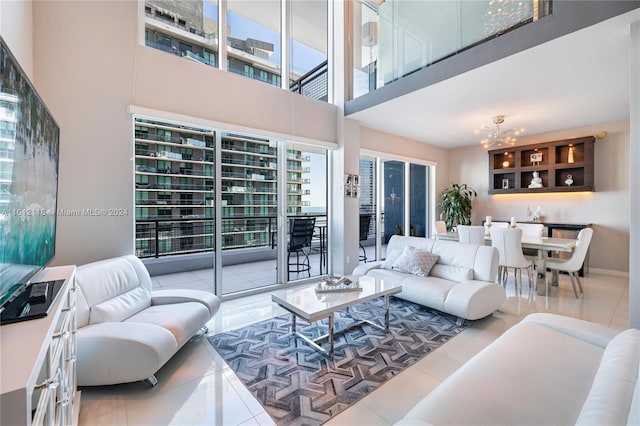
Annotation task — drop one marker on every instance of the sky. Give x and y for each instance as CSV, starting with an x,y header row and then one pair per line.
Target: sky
x,y
304,57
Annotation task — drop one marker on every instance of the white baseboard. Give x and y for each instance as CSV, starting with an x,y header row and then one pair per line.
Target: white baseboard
x,y
609,272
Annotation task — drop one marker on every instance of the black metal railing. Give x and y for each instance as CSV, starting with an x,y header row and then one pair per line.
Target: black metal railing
x,y
313,84
159,237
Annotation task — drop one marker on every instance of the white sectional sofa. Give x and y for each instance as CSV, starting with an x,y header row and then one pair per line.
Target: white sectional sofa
x,y
126,331
461,283
546,370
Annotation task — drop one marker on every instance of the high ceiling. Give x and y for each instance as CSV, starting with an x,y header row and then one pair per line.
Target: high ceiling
x,y
573,81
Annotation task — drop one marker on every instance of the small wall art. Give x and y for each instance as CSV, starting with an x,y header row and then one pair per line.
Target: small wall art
x,y
351,185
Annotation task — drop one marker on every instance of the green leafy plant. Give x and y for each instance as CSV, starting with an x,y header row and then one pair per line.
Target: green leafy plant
x,y
455,205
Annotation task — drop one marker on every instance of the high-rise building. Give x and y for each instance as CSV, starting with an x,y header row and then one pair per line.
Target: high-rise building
x,y
175,194
181,28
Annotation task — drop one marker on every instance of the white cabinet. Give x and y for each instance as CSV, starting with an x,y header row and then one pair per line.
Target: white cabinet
x,y
38,361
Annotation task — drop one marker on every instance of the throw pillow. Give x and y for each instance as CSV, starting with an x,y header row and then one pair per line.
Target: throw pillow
x,y
415,261
392,256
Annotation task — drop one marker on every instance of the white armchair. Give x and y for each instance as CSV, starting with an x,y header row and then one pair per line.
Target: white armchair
x,y
126,331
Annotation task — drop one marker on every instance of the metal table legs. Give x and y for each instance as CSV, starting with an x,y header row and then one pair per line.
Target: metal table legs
x,y
314,343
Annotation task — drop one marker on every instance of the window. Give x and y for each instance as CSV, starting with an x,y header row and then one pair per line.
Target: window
x,y
402,188
308,70
248,71
254,38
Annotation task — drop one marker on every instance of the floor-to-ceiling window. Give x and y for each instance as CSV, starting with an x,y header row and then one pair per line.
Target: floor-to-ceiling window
x,y
174,175
177,183
307,201
249,194
396,193
369,207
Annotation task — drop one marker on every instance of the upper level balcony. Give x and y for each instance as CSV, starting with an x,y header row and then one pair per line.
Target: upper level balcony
x,y
402,47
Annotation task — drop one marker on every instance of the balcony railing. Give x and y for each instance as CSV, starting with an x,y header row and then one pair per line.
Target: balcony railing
x,y
159,237
211,37
313,84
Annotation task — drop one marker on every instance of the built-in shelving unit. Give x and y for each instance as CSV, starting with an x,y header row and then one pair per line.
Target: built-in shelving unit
x,y
563,166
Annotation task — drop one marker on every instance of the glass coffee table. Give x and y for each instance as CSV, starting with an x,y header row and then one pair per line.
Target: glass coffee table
x,y
309,305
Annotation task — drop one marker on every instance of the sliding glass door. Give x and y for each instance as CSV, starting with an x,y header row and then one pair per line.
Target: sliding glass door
x,y
307,248
396,193
227,201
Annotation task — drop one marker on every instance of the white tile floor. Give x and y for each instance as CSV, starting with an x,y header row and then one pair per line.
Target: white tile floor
x,y
197,388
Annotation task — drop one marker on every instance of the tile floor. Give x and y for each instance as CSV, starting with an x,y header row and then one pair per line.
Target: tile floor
x,y
196,387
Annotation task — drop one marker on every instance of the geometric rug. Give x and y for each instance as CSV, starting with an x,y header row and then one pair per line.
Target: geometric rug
x,y
299,386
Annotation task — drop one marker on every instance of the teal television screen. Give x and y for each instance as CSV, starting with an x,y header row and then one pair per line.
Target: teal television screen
x,y
29,154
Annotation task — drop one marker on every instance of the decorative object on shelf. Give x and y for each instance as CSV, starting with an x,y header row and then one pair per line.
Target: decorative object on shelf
x,y
570,157
536,181
536,158
496,136
537,215
505,183
513,222
529,213
505,164
556,155
569,180
455,205
351,185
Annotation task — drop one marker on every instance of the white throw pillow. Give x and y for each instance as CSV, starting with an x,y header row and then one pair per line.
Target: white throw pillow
x,y
415,261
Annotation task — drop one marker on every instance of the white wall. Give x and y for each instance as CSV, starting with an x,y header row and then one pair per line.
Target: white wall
x,y
375,140
16,27
607,208
91,70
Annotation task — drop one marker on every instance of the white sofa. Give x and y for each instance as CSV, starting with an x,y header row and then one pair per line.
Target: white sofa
x,y
126,332
546,370
462,282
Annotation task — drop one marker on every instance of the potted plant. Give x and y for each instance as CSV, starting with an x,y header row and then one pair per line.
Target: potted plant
x,y
455,205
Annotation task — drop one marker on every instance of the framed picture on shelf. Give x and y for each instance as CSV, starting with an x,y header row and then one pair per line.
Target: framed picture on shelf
x,y
536,158
505,183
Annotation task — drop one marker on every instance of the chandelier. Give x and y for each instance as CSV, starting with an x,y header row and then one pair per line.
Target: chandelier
x,y
495,136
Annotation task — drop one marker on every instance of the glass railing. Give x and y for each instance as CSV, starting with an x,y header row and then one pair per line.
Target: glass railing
x,y
398,37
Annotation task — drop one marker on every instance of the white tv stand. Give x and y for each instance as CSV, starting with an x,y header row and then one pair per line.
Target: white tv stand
x,y
38,361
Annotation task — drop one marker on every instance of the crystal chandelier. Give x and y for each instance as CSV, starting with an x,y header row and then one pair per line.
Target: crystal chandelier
x,y
495,136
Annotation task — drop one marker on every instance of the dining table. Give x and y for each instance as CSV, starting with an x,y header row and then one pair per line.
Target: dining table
x,y
544,245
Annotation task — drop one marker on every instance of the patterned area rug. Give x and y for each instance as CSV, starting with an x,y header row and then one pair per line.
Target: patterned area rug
x,y
299,386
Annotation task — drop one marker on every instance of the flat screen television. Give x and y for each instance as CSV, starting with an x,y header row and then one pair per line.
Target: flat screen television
x,y
29,155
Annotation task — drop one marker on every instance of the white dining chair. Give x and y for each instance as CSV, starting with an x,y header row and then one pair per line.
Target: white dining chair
x,y
471,234
573,264
495,225
508,241
533,229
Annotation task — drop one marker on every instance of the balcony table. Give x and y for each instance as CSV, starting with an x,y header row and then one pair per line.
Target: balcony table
x,y
542,244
